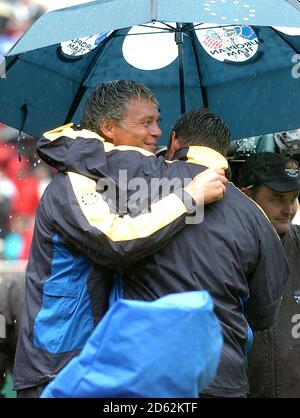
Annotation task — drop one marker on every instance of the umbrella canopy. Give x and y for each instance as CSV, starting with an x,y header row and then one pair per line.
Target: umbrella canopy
x,y
106,15
242,73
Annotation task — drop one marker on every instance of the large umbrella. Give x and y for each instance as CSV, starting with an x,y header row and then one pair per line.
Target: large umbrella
x,y
186,65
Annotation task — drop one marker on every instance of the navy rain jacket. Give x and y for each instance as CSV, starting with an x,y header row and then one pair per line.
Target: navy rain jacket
x,y
77,240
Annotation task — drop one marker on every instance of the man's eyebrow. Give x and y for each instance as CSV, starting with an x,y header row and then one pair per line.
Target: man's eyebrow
x,y
282,194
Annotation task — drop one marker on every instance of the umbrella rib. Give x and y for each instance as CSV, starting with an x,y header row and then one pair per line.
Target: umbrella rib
x,y
142,33
159,27
211,27
202,88
167,26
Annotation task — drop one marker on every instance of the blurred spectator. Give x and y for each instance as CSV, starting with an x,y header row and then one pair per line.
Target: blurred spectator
x,y
11,303
6,13
17,242
15,18
26,200
22,184
7,187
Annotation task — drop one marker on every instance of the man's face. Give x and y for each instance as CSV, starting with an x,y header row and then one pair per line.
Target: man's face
x,y
280,208
139,127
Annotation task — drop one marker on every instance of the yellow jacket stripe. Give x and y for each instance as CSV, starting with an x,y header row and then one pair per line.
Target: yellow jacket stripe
x,y
123,228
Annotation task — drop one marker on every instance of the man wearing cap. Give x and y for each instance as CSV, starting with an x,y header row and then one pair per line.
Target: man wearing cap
x,y
273,182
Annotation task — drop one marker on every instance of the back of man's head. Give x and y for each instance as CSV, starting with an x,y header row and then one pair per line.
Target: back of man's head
x,y
109,101
275,171
202,128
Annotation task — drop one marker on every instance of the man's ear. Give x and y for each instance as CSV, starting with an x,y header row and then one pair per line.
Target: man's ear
x,y
247,192
173,146
108,130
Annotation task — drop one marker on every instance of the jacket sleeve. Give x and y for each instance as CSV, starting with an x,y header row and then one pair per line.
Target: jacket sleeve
x,y
83,219
267,281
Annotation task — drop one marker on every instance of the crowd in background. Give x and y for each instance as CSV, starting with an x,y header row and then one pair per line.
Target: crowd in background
x,y
21,186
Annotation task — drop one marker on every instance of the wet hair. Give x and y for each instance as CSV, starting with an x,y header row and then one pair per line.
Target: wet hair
x,y
109,101
203,128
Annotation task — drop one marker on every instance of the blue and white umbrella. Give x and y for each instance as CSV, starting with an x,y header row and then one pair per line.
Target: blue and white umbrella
x,y
247,74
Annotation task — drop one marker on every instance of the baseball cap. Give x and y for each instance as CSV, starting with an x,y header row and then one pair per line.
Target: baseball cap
x,y
280,173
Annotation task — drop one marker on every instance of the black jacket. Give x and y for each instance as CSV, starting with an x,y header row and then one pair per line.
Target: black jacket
x,y
274,359
235,254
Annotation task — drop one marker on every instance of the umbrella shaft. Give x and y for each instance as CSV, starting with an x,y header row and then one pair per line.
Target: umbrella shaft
x,y
153,10
179,42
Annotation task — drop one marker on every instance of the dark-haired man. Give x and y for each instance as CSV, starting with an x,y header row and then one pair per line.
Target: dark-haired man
x,y
234,253
273,182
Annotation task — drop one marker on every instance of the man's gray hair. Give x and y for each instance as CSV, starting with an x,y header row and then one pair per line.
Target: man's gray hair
x,y
109,101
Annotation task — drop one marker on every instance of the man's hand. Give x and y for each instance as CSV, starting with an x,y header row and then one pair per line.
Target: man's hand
x,y
210,185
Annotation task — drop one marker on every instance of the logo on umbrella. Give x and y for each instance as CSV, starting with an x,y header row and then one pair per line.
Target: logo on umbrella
x,y
228,43
82,46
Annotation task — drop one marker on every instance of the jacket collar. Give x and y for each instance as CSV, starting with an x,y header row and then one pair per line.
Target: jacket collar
x,y
71,131
203,156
